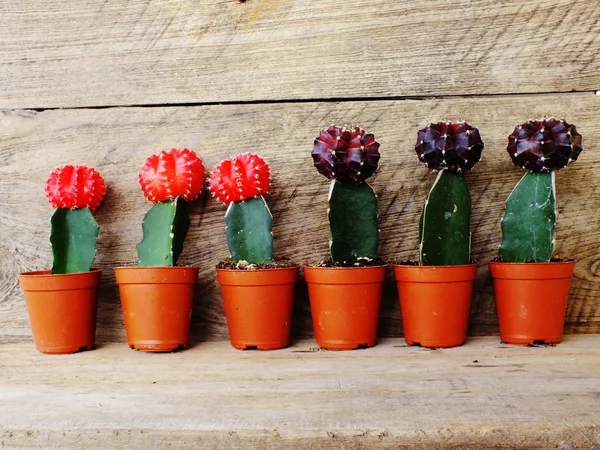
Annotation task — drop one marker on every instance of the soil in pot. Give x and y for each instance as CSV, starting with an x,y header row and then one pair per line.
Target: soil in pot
x,y
531,300
435,303
258,304
345,304
62,309
157,306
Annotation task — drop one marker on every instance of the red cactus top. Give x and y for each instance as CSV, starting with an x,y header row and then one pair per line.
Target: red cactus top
x,y
72,187
172,174
240,178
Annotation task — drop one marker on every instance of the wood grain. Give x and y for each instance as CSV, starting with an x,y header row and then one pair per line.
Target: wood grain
x,y
479,396
117,140
97,53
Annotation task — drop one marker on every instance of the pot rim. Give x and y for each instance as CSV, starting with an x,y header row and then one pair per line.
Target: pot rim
x,y
532,264
133,268
454,266
309,267
47,273
270,269
135,275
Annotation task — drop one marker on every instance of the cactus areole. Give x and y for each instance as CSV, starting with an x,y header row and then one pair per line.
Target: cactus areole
x,y
348,156
169,179
75,191
240,183
529,222
444,229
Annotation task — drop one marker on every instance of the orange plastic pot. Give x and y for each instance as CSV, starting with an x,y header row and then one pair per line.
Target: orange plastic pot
x,y
531,300
344,303
157,306
62,309
435,303
258,306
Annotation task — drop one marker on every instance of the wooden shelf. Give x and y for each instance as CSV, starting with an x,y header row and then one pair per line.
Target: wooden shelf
x,y
482,395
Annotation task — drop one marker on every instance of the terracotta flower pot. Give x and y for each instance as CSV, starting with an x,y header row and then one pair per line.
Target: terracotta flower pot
x,y
345,302
258,306
531,299
62,309
157,306
435,303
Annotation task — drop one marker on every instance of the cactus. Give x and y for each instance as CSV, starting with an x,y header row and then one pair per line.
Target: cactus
x,y
348,156
75,191
240,183
529,222
444,228
170,180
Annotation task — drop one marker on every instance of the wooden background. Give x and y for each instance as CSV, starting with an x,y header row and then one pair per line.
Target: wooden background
x,y
106,83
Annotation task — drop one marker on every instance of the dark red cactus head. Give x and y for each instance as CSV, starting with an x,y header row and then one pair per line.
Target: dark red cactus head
x,y
544,145
448,145
72,187
349,155
240,178
172,174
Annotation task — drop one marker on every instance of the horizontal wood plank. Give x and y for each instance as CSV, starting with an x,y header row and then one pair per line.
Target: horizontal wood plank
x,y
482,396
116,141
97,53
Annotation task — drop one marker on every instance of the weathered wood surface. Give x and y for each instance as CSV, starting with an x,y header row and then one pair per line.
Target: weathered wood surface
x,y
96,53
116,141
481,396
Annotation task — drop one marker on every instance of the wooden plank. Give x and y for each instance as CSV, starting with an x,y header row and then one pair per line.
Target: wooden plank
x,y
85,52
117,141
480,396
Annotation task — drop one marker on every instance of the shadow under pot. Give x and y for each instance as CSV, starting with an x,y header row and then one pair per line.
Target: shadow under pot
x,y
345,303
157,306
62,309
531,300
435,302
258,306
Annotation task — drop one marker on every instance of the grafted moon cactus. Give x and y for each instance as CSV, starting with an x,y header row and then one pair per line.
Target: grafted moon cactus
x,y
75,191
529,223
444,229
240,183
169,180
348,156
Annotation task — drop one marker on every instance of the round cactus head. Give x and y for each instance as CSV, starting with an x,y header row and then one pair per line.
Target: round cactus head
x,y
448,145
240,178
349,155
172,174
544,145
72,187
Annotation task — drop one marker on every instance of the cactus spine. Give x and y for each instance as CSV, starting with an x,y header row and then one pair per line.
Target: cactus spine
x,y
444,228
529,222
75,191
240,183
353,220
445,237
169,180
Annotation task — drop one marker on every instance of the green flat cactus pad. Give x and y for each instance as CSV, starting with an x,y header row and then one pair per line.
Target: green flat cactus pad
x,y
353,220
444,231
249,235
529,222
165,226
73,239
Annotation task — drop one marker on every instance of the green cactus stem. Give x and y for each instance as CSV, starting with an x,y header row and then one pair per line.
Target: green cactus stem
x,y
73,238
530,220
353,220
445,238
249,235
165,227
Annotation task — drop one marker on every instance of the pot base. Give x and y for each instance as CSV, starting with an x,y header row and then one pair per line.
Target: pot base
x,y
158,348
345,345
528,340
64,350
434,344
265,346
